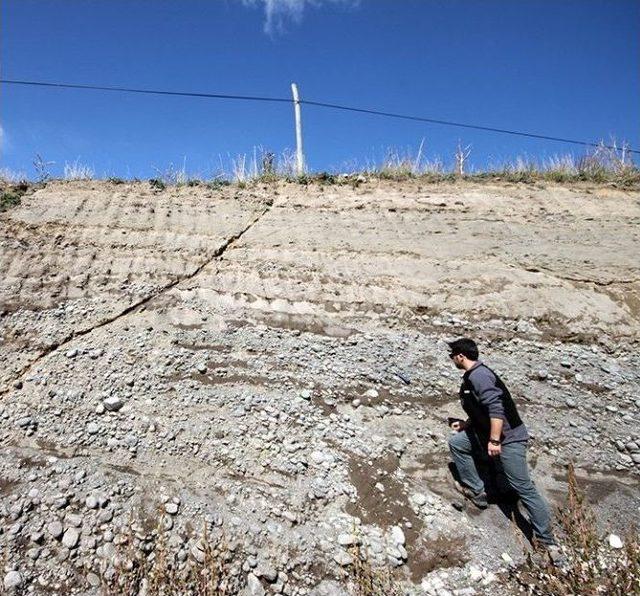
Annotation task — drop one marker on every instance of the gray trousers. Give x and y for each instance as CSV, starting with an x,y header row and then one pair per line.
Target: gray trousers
x,y
464,447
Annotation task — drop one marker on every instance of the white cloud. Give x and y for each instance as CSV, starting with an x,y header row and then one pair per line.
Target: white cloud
x,y
277,12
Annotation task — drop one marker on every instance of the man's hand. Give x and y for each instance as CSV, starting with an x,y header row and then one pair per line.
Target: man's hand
x,y
458,425
494,450
496,433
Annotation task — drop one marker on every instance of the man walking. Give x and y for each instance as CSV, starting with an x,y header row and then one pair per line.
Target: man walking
x,y
495,429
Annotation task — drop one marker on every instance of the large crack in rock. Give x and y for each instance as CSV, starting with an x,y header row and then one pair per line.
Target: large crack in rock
x,y
89,254
218,253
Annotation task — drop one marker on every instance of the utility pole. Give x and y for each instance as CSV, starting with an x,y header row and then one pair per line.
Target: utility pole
x,y
299,151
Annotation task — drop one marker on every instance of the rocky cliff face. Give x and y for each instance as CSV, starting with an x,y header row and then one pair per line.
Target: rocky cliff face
x,y
270,363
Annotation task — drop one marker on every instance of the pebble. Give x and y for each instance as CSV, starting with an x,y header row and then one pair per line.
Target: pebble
x,y
254,586
105,516
397,536
24,421
113,403
73,520
419,499
267,571
60,502
543,375
55,529
475,573
70,538
171,508
91,502
615,541
343,558
13,580
109,551
347,539
93,579
319,457
469,591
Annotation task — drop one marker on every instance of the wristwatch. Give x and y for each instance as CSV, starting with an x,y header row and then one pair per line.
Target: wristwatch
x,y
495,442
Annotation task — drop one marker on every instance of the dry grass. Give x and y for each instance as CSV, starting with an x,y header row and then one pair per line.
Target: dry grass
x,y
261,165
9,177
399,164
367,580
148,566
593,568
173,175
77,171
601,165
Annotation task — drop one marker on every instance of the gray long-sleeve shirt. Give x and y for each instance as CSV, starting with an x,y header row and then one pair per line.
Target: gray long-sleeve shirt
x,y
490,396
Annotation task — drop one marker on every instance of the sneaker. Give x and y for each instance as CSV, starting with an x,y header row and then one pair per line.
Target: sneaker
x,y
478,499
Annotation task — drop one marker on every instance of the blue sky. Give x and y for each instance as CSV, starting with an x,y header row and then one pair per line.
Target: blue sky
x,y
568,68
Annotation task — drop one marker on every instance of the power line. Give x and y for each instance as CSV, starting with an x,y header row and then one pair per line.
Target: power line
x,y
460,125
147,91
320,105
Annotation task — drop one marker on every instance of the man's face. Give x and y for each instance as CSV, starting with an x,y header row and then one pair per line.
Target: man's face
x,y
457,360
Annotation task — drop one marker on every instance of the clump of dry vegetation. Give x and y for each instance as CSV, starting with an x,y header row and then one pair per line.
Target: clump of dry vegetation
x,y
78,171
9,177
367,580
401,164
604,164
592,567
146,564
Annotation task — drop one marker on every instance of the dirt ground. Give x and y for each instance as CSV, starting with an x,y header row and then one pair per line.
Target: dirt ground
x,y
257,339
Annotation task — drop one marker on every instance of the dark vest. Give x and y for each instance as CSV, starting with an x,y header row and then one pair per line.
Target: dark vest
x,y
478,413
